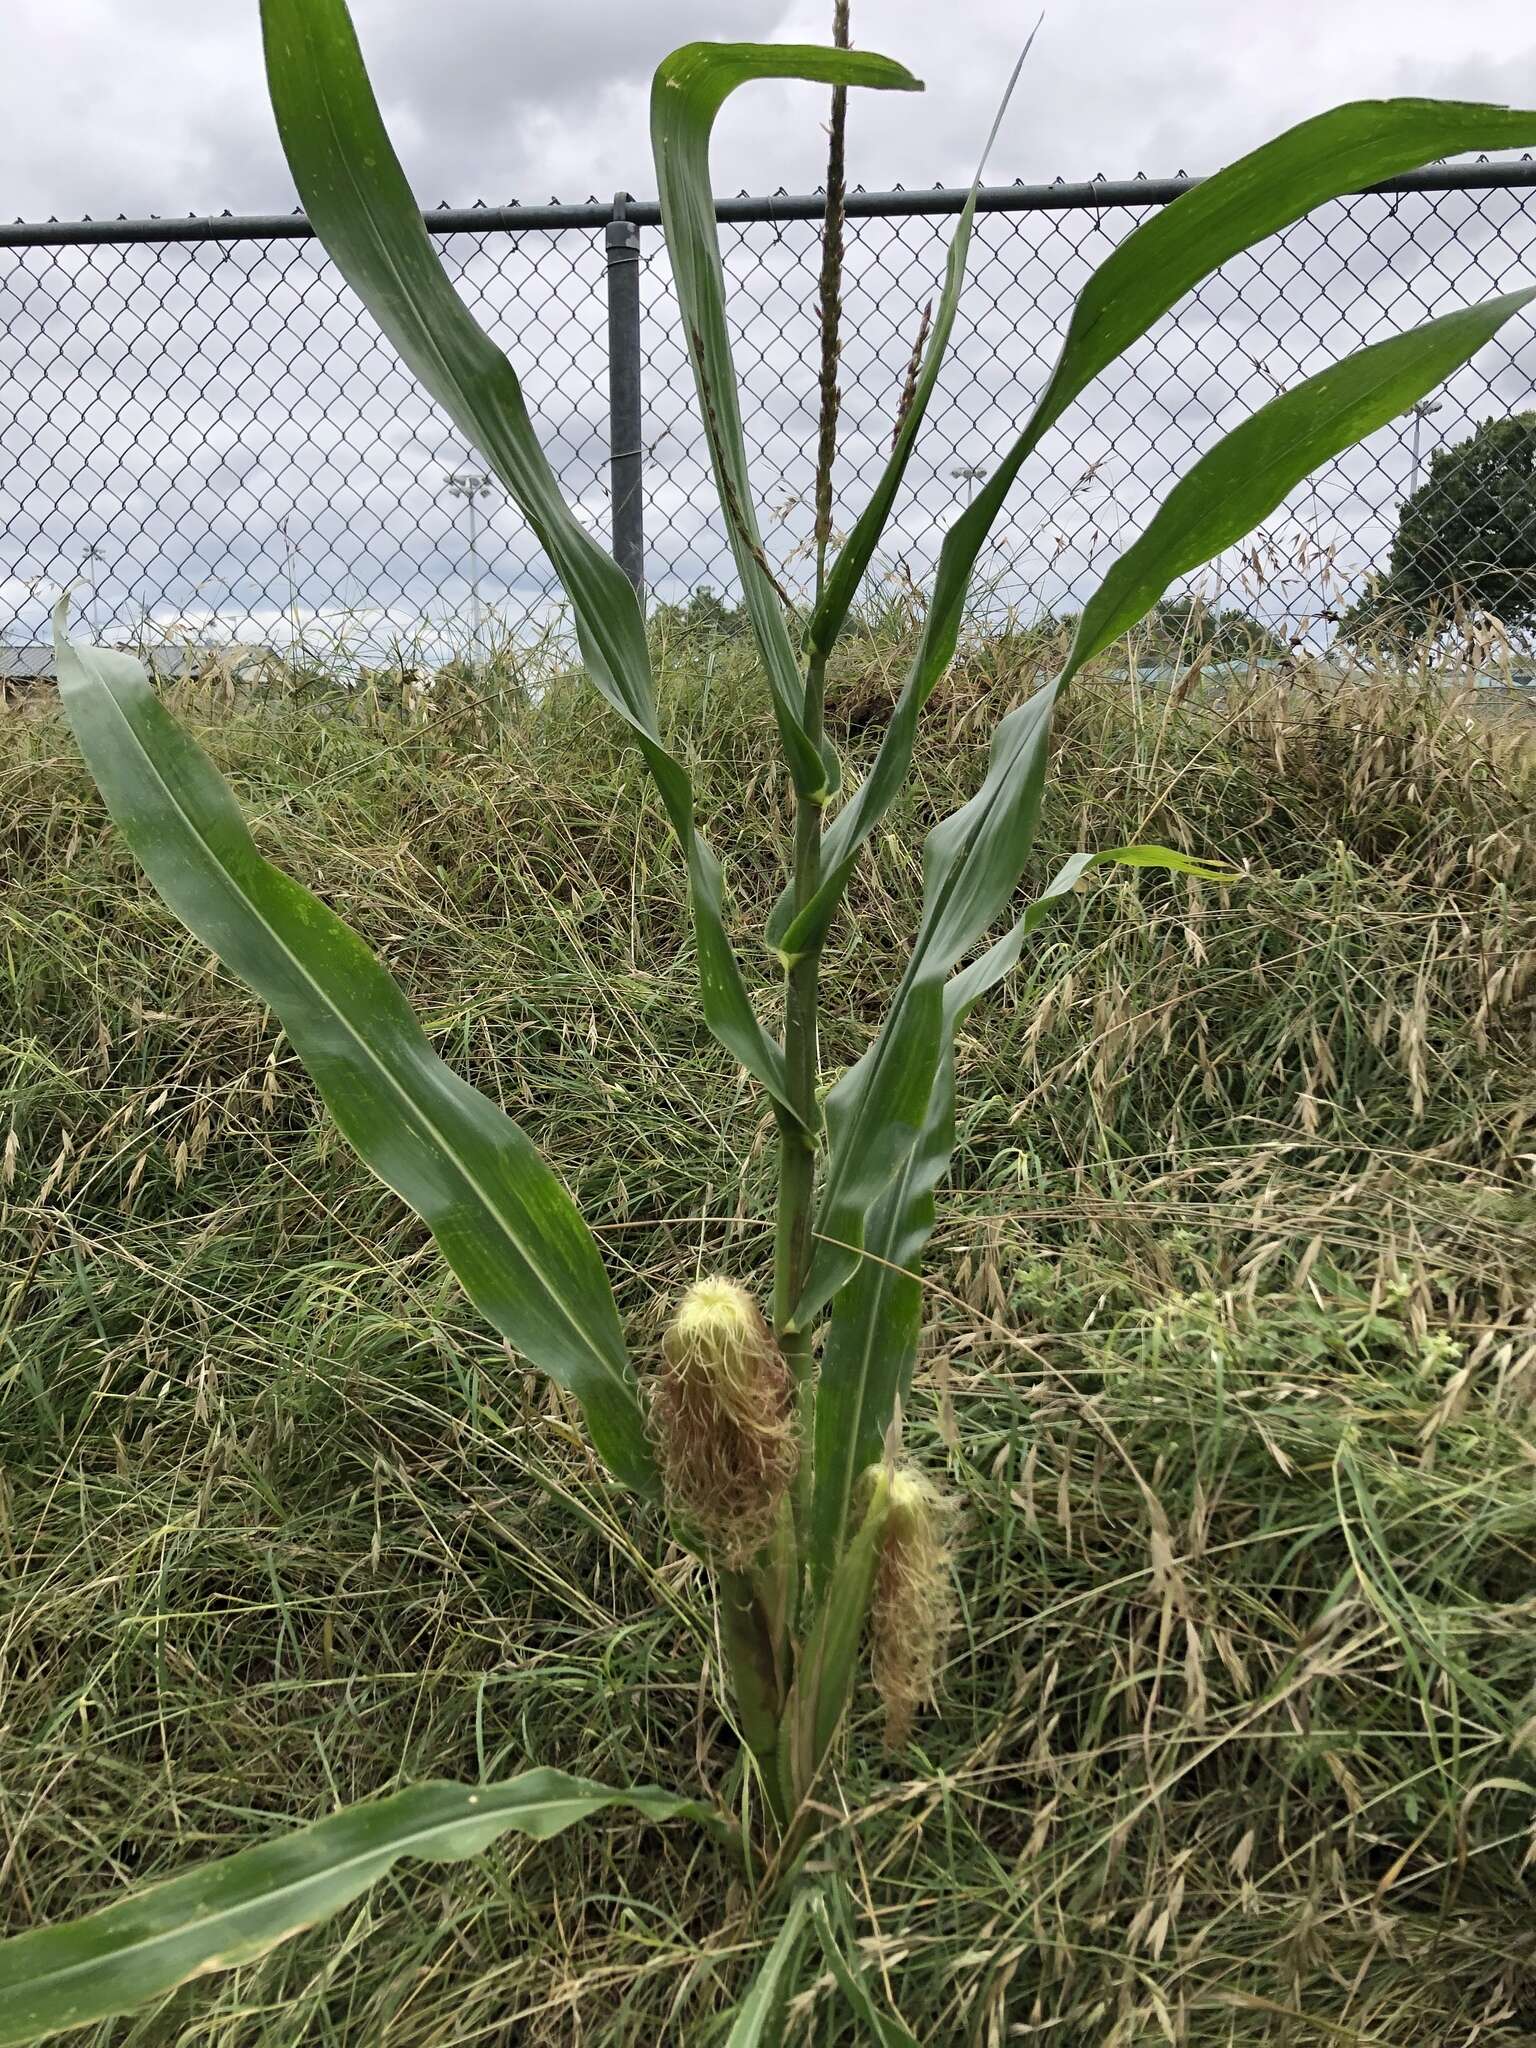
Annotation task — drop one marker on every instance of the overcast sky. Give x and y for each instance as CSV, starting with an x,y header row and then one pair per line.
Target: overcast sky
x,y
159,107
211,434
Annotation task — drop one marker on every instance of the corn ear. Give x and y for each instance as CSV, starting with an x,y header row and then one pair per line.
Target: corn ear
x,y
912,1611
722,1421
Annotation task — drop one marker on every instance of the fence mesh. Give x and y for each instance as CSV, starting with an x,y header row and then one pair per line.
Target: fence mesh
x,y
211,437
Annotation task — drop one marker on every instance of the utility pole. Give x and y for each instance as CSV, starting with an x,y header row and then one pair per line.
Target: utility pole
x,y
472,485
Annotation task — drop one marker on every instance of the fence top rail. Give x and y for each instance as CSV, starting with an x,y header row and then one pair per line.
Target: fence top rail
x,y
1094,195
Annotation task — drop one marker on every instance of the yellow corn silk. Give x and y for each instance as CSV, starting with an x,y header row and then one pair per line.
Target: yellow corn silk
x,y
722,1421
913,1608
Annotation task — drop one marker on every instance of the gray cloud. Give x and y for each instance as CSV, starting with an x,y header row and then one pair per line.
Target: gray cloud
x,y
229,432
164,110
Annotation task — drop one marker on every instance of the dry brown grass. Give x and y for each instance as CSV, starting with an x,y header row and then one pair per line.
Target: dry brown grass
x,y
1230,1369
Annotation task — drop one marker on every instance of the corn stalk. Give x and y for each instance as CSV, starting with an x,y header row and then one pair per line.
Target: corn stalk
x,y
781,1475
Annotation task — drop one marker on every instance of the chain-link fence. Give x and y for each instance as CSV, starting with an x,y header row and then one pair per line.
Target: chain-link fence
x,y
200,426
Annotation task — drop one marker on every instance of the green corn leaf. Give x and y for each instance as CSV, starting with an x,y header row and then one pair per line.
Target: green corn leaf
x,y
872,1337
832,1919
759,2021
1139,281
828,1662
237,1908
874,1111
1337,152
361,207
501,1219
964,990
689,90
853,558
972,861
1239,481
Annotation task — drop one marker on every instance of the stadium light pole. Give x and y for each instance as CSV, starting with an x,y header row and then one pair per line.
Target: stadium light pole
x,y
92,573
472,485
1421,413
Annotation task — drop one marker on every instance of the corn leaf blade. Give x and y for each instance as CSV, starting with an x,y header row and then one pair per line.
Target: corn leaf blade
x,y
874,1112
238,1907
759,2021
360,205
1273,186
1357,144
828,1664
501,1218
690,88
1248,473
871,1345
872,1337
972,861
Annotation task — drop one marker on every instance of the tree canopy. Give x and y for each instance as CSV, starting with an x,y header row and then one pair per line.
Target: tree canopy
x,y
1466,541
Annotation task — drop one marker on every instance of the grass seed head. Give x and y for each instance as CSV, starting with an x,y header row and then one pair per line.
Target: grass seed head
x,y
912,1610
722,1416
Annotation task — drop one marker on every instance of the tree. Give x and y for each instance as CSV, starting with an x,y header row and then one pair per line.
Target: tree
x,y
1465,544
705,614
1187,628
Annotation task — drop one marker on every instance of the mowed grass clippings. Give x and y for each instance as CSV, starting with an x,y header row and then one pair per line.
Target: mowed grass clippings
x,y
1230,1379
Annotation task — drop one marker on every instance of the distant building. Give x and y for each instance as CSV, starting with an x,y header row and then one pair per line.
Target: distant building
x,y
20,666
26,664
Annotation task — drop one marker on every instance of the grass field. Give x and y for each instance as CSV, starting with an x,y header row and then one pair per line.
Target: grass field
x,y
1231,1370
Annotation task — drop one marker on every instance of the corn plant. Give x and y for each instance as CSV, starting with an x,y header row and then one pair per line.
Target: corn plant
x,y
767,1434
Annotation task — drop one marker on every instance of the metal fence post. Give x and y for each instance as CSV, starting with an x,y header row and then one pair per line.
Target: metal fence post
x,y
625,450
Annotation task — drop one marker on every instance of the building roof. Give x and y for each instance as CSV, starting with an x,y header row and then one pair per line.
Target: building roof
x,y
34,664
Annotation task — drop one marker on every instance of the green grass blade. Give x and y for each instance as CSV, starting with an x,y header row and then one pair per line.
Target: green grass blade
x,y
853,558
237,1908
689,90
759,2021
1140,280
872,1337
360,205
1246,475
833,1922
501,1218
